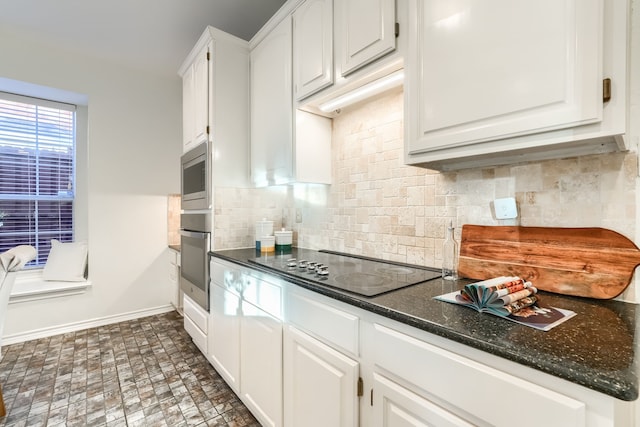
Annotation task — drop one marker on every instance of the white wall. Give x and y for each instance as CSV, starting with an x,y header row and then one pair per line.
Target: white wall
x,y
134,145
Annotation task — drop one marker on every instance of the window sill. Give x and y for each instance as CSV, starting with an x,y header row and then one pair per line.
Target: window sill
x,y
30,286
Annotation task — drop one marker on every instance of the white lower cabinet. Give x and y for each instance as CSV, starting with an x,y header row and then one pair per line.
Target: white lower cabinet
x,y
261,364
245,344
396,406
436,385
320,383
174,278
224,345
196,322
298,358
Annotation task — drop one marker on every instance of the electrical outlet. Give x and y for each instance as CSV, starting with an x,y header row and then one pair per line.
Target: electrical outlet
x,y
505,208
298,215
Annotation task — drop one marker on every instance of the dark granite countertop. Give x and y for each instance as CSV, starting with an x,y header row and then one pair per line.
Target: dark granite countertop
x,y
596,348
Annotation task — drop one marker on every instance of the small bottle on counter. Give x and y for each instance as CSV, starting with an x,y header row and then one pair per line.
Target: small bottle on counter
x,y
450,255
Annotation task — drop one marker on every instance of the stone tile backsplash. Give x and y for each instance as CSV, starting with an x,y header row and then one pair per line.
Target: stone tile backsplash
x,y
379,207
237,210
173,219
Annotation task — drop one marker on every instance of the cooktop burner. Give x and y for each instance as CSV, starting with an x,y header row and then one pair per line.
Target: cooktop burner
x,y
360,275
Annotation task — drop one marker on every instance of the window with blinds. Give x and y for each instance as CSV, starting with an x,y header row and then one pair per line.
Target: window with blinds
x,y
37,179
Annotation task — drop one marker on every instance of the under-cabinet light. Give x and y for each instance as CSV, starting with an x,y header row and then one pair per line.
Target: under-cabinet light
x,y
375,87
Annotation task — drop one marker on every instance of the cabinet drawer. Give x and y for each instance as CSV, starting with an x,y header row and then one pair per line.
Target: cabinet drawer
x,y
226,276
265,295
173,273
401,407
196,315
216,272
332,325
489,394
199,337
259,292
173,257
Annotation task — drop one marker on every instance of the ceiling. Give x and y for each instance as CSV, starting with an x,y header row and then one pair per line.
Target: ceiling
x,y
153,34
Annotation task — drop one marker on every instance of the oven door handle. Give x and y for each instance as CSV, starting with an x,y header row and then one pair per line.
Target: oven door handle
x,y
194,234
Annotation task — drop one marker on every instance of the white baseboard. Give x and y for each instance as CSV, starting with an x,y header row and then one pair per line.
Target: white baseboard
x,y
85,324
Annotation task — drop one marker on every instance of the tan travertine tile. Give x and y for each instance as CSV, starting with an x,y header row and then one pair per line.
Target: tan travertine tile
x,y
379,207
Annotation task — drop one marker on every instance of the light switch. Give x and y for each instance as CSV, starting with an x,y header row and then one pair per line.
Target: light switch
x,y
505,208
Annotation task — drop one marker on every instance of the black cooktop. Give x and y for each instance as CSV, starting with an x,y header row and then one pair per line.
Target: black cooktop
x,y
360,275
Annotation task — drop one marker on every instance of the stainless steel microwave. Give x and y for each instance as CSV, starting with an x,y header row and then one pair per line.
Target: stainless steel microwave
x,y
196,178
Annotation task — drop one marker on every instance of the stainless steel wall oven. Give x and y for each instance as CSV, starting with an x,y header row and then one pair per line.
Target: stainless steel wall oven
x,y
196,178
195,244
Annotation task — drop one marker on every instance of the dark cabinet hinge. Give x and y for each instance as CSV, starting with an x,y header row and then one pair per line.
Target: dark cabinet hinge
x,y
208,56
397,29
360,387
606,90
207,130
371,397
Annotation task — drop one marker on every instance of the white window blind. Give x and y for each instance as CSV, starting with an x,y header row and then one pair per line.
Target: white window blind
x,y
37,179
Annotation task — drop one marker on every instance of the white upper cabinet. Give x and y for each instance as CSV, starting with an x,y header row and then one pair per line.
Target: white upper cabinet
x,y
312,47
341,45
200,130
287,145
507,67
215,104
195,100
187,109
498,81
272,108
365,31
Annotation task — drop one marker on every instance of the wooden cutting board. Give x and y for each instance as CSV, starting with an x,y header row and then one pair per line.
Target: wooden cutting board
x,y
585,262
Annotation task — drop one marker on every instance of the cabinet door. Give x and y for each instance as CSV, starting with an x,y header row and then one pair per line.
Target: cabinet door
x,y
174,279
195,323
224,335
188,115
395,406
261,364
496,69
312,47
272,108
320,384
365,31
468,385
201,96
195,101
